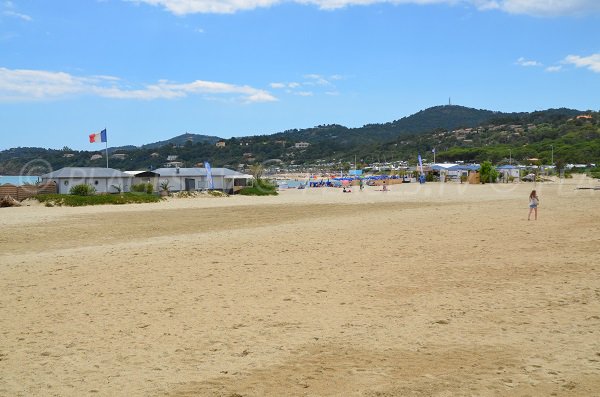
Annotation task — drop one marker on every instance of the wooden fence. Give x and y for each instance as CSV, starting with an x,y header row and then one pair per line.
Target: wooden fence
x,y
21,193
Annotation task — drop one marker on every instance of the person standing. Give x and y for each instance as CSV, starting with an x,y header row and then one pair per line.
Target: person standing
x,y
534,200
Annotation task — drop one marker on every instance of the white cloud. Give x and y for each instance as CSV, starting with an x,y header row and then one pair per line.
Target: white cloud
x,y
28,85
530,7
553,69
15,14
591,62
316,79
549,7
312,84
9,10
525,62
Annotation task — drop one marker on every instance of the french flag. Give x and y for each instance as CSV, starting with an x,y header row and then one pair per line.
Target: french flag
x,y
99,137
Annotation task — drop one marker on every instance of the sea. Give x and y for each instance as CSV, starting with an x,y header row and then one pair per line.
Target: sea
x,y
18,180
291,184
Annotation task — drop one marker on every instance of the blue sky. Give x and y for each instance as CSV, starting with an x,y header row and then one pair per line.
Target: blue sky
x,y
148,70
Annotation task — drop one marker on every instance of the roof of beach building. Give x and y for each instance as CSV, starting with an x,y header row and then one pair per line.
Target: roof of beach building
x,y
86,172
455,167
141,173
191,172
507,167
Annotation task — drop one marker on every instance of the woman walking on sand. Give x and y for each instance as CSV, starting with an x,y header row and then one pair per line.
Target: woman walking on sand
x,y
534,200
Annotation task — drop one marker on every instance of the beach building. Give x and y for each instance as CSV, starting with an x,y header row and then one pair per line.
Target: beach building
x,y
102,179
446,171
451,171
179,179
509,171
190,179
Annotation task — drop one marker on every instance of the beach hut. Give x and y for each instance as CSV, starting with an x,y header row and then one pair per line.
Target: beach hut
x,y
104,180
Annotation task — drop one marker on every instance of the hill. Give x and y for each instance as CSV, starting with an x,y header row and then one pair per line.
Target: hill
x,y
456,132
438,117
182,140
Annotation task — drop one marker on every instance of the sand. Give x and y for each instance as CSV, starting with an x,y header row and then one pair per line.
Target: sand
x,y
434,290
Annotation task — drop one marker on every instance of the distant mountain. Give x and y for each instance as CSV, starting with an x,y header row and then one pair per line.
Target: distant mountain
x,y
182,140
446,117
438,117
177,141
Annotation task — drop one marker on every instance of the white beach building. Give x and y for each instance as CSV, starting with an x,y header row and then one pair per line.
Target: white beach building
x,y
190,179
103,180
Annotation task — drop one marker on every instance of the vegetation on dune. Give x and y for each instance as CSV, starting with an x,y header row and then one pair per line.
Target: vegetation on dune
x,y
259,187
51,200
82,190
143,188
488,173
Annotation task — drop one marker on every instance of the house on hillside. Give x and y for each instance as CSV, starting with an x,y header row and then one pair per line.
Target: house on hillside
x,y
174,164
102,179
190,179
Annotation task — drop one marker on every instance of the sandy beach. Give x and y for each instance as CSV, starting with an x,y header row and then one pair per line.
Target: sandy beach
x,y
434,290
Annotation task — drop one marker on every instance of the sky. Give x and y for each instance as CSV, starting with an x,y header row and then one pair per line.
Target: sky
x,y
149,70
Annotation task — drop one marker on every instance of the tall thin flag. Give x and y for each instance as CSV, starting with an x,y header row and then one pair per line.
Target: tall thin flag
x,y
100,137
422,176
209,177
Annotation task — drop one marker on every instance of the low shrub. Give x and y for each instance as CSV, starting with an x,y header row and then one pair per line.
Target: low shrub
x,y
78,201
259,188
147,188
82,190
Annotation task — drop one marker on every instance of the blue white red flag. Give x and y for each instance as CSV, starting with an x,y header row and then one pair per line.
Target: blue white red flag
x,y
98,137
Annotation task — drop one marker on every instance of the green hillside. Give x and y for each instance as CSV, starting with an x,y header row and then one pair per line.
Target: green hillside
x,y
457,133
